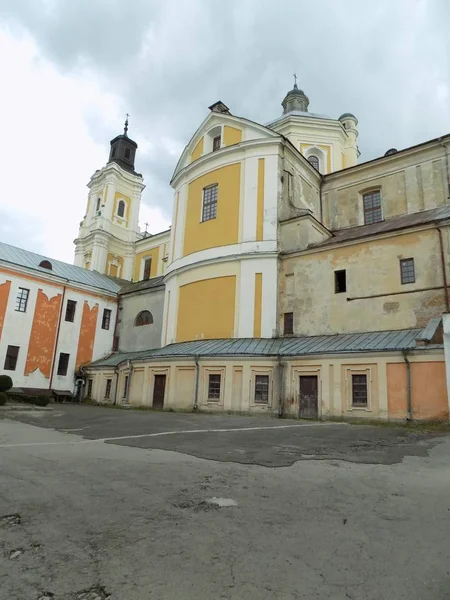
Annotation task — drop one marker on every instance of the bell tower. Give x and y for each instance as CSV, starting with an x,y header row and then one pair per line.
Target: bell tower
x,y
109,229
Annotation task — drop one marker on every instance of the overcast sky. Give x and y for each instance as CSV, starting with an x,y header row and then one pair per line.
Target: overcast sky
x,y
71,69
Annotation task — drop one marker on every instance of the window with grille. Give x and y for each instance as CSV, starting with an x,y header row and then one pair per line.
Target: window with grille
x,y
147,268
125,387
70,310
145,317
22,299
89,388
372,207
359,390
63,363
314,161
288,323
108,388
407,271
121,208
210,195
106,320
214,388
261,389
12,352
216,143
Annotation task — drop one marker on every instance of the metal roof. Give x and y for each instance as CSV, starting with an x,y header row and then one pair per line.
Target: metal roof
x,y
374,341
30,260
147,284
404,221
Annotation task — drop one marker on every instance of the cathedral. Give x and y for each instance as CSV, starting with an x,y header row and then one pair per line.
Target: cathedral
x,y
294,280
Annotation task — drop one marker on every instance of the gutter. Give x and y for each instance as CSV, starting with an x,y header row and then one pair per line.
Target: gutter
x,y
444,273
197,373
408,387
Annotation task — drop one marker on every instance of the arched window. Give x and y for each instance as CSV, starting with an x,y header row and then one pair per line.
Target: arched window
x,y
121,208
314,161
46,264
98,204
144,318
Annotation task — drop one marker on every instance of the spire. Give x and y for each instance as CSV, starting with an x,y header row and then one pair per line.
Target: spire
x,y
295,99
125,129
123,149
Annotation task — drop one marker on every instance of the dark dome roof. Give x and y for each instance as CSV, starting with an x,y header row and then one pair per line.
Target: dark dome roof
x,y
295,90
347,116
391,151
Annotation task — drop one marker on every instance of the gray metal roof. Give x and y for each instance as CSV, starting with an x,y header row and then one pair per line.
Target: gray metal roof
x,y
30,260
147,284
375,341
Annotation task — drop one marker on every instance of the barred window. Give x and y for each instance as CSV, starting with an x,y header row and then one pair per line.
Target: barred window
x,y
216,143
210,195
359,390
372,207
145,317
261,389
407,272
314,161
214,388
22,299
106,320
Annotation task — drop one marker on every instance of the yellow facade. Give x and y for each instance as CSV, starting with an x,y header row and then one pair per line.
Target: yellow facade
x,y
114,265
198,150
231,135
140,257
117,197
224,229
206,309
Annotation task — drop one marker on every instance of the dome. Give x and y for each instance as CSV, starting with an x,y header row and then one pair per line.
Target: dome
x,y
391,151
295,99
348,116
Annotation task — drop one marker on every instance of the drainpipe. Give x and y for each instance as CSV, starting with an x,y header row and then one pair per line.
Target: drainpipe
x,y
444,273
116,324
281,399
52,371
130,372
197,372
320,199
116,373
408,387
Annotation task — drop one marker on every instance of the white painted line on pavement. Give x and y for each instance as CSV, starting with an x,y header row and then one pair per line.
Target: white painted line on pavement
x,y
163,433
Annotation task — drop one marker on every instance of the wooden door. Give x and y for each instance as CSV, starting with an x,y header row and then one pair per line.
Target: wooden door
x,y
308,397
159,389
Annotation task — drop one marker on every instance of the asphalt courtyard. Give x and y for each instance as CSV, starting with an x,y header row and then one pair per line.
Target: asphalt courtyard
x,y
99,503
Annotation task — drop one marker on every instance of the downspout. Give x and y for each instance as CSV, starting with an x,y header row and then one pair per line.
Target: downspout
x,y
197,372
52,371
320,200
114,349
444,273
130,372
116,373
408,387
281,398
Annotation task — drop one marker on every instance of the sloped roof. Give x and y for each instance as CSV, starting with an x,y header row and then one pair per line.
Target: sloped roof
x,y
374,341
30,260
403,222
147,284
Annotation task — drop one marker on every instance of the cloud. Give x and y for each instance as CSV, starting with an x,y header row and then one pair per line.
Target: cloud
x,y
165,62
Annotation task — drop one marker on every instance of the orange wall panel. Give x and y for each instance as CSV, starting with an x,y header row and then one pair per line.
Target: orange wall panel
x,y
87,334
43,334
4,295
428,391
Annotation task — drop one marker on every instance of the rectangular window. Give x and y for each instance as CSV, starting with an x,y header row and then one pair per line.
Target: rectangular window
x,y
106,318
288,323
115,343
125,387
70,310
359,390
407,271
340,281
209,210
12,353
372,207
89,388
63,363
261,389
22,299
214,388
108,388
216,143
127,153
147,268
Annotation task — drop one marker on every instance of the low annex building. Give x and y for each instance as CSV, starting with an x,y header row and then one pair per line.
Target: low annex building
x,y
293,280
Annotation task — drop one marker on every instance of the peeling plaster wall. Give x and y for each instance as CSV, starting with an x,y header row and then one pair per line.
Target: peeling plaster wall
x,y
307,286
